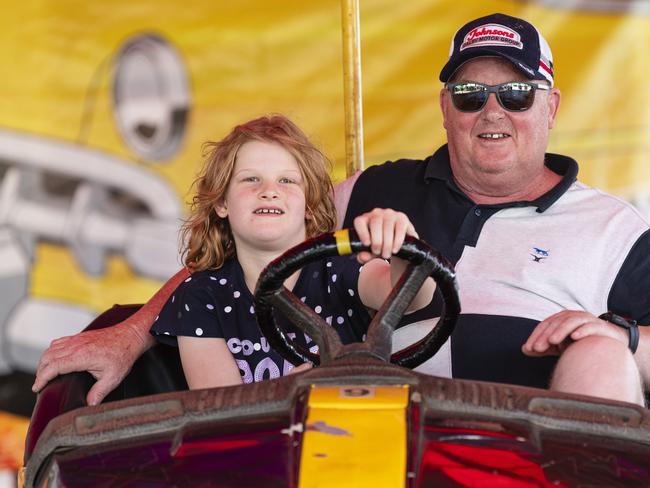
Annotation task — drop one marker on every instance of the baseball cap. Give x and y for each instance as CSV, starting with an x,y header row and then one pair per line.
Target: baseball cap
x,y
501,35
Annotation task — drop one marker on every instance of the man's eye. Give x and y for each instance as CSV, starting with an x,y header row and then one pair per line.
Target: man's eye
x,y
467,88
514,86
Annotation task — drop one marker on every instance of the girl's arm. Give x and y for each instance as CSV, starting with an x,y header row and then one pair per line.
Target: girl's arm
x,y
384,231
207,362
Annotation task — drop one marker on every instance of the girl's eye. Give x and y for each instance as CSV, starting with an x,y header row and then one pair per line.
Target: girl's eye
x,y
287,180
251,178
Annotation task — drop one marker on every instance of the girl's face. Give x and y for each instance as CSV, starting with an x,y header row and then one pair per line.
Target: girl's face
x,y
265,198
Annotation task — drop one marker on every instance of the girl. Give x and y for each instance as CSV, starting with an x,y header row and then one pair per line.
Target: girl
x,y
265,188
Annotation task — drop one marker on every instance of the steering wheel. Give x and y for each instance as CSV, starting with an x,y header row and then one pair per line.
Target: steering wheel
x,y
424,261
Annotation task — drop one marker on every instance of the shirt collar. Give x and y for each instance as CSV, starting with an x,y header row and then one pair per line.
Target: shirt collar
x,y
438,168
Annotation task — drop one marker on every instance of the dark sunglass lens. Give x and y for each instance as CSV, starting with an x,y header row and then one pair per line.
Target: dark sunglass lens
x,y
469,98
516,96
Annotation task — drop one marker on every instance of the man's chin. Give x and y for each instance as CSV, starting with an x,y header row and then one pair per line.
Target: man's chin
x,y
497,167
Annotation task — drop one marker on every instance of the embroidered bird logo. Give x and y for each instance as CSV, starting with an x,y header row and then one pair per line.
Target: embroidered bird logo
x,y
538,254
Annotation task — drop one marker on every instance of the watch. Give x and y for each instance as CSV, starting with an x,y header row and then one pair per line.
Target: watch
x,y
629,324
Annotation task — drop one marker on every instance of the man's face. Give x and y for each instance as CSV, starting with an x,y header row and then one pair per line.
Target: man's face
x,y
495,152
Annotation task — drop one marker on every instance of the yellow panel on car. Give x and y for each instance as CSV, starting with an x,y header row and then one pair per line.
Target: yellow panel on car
x,y
355,436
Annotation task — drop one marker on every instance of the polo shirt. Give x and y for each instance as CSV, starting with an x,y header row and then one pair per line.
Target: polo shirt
x,y
573,248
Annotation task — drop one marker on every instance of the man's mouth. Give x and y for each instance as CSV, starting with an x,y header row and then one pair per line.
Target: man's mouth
x,y
493,135
264,211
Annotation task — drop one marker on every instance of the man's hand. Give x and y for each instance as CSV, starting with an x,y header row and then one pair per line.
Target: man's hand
x,y
107,354
384,231
554,334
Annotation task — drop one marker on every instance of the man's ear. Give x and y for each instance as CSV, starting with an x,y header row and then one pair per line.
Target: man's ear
x,y
553,105
221,209
444,105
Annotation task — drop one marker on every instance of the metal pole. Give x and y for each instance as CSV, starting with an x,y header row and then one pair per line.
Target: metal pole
x,y
352,97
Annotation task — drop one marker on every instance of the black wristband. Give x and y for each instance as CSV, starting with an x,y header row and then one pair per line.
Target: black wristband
x,y
630,325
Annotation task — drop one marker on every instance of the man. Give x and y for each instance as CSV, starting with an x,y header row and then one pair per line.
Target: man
x,y
539,257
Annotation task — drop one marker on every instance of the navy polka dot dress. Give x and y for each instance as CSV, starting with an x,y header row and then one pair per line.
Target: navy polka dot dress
x,y
217,303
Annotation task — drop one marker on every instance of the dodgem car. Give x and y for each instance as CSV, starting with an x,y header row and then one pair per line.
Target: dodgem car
x,y
361,418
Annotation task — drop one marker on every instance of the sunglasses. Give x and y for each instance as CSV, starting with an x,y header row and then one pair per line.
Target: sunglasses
x,y
514,96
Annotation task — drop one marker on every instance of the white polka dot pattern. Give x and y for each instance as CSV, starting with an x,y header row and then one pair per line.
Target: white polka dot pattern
x,y
206,310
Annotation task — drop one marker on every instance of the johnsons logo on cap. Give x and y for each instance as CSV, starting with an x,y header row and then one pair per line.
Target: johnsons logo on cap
x,y
492,35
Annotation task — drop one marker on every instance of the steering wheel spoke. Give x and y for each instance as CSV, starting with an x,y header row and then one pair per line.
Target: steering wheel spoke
x,y
310,323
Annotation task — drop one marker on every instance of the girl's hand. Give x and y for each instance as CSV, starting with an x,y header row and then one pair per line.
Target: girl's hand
x,y
383,229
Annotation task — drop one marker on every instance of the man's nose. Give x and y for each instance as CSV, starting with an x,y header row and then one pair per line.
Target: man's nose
x,y
493,109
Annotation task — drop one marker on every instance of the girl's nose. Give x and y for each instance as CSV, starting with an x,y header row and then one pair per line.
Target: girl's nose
x,y
269,192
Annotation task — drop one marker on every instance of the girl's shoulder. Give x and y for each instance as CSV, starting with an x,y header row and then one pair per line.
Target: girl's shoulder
x,y
229,273
214,282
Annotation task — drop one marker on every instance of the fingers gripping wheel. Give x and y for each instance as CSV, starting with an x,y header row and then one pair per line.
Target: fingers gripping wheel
x,y
424,261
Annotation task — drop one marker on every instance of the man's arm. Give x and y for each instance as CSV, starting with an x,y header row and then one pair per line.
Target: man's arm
x,y
342,193
108,354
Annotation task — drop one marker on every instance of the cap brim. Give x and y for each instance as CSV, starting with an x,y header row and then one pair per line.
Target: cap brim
x,y
453,64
